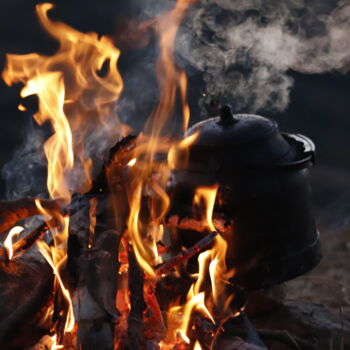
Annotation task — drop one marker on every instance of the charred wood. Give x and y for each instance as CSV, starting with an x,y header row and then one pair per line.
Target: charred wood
x,y
25,292
184,256
13,211
188,223
135,333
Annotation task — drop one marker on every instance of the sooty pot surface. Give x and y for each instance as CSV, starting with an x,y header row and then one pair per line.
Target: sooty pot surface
x,y
263,179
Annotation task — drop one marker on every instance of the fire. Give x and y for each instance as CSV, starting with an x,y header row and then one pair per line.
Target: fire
x,y
205,196
150,175
77,89
8,243
71,93
197,346
77,86
56,255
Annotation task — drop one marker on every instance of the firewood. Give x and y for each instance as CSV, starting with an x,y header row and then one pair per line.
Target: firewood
x,y
24,243
15,210
221,224
25,293
93,271
135,336
186,255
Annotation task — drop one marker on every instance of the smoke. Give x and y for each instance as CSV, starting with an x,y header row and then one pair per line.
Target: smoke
x,y
24,174
245,48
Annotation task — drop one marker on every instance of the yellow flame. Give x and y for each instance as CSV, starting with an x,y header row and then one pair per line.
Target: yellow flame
x,y
54,345
8,244
197,346
206,196
21,108
194,302
132,162
46,251
71,93
178,155
151,177
215,258
57,254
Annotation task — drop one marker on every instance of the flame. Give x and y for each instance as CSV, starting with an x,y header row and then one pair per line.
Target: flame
x,y
132,162
178,155
77,89
215,258
72,92
54,345
194,302
151,176
56,255
8,244
205,196
197,346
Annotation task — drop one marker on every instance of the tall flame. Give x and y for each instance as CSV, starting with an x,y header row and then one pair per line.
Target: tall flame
x,y
147,174
72,92
215,258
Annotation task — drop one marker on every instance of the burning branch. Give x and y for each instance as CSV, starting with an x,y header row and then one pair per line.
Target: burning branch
x,y
135,319
27,241
187,254
221,224
13,211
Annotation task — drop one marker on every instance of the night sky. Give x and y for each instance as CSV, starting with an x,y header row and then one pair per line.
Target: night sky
x,y
319,108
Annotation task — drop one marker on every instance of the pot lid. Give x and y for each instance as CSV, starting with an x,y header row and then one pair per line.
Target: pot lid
x,y
238,139
232,129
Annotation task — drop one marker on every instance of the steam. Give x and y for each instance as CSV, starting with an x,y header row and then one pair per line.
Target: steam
x,y
245,48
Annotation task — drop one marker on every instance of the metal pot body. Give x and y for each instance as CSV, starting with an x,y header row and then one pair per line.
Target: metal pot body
x,y
274,237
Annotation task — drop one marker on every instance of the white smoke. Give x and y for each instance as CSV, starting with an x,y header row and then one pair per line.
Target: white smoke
x,y
245,48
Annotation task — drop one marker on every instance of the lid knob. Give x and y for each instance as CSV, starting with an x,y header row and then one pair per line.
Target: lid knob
x,y
226,116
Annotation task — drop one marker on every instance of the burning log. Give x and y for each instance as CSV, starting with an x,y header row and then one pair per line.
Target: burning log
x,y
13,211
20,246
135,337
93,271
187,223
25,296
186,255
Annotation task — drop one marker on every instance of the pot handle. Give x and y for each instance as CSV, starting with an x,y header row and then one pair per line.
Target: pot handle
x,y
308,145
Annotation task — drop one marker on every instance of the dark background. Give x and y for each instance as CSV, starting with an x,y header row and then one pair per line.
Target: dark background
x,y
319,108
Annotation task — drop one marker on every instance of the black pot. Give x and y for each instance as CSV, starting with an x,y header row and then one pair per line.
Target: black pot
x,y
263,178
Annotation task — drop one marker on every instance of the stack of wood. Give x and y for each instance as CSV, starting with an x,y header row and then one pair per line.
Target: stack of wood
x,y
98,249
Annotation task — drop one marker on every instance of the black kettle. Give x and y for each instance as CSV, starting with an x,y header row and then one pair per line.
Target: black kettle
x,y
263,178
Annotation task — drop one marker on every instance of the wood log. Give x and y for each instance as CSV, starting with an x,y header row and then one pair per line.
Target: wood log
x,y
25,293
15,210
135,336
221,224
186,255
93,275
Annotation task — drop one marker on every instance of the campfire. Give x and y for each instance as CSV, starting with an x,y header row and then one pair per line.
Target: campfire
x,y
165,239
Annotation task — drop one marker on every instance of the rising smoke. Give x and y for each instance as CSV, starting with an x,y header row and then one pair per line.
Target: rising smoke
x,y
245,48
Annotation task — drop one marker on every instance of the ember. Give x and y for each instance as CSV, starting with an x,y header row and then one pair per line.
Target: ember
x,y
147,253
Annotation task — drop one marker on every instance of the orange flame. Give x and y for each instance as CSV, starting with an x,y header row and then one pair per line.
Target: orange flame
x,y
197,346
57,255
146,174
71,93
206,196
215,258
